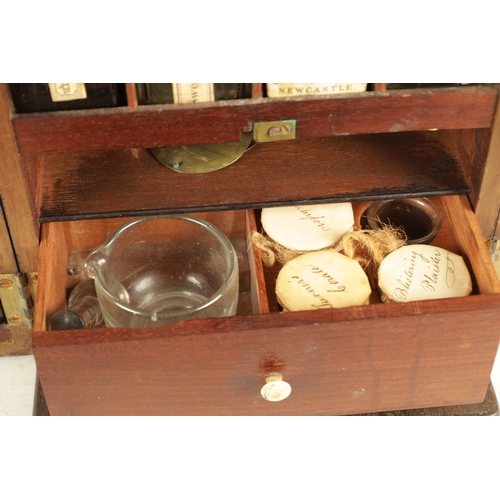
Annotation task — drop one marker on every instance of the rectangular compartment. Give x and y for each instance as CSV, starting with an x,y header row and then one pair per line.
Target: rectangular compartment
x,y
355,360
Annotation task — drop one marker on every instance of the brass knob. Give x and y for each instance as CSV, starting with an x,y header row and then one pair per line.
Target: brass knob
x,y
276,389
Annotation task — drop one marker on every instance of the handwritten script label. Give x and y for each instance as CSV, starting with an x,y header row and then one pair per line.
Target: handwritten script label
x,y
424,271
322,280
308,227
308,215
331,284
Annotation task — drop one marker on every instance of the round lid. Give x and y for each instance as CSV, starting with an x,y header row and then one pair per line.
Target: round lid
x,y
322,280
423,272
308,227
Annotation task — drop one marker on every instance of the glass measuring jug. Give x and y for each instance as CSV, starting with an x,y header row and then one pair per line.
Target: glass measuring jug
x,y
158,270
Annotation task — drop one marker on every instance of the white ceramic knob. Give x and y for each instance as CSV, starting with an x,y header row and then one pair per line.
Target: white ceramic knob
x,y
276,389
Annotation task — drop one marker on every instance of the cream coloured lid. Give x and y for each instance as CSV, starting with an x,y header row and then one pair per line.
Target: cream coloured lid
x,y
322,280
423,272
308,227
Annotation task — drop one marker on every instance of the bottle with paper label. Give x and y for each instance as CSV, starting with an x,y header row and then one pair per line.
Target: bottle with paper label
x,y
43,97
182,93
312,89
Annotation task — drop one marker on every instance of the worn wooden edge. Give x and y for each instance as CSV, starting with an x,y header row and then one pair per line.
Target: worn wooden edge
x,y
40,408
257,90
15,341
439,308
487,206
8,264
224,121
131,92
258,290
486,408
52,275
32,171
471,242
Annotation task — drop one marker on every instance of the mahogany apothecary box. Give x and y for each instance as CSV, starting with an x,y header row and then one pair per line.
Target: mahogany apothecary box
x,y
353,147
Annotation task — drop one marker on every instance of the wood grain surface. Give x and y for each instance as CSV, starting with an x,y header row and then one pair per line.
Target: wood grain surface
x,y
355,360
17,194
8,264
350,168
224,121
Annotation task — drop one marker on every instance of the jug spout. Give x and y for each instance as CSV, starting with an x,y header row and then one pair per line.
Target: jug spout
x,y
95,262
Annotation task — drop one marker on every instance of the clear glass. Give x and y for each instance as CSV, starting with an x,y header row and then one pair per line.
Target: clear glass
x,y
420,218
83,310
156,271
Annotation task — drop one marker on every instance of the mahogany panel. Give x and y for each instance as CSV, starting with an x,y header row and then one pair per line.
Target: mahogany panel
x,y
487,408
16,194
470,242
354,360
347,168
224,121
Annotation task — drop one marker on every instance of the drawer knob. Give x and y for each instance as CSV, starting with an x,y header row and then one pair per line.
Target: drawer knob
x,y
276,389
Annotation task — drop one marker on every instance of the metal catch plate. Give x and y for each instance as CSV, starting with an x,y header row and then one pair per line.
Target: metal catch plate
x,y
274,131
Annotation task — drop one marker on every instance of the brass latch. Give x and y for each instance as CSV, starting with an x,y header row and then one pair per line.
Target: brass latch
x,y
17,298
274,131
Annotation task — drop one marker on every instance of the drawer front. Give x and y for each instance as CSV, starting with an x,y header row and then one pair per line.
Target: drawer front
x,y
351,361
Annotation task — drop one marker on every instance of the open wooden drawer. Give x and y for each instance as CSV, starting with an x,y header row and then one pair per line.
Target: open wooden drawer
x,y
363,359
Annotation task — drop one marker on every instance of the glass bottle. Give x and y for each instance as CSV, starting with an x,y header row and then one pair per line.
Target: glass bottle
x,y
42,97
83,310
178,93
404,86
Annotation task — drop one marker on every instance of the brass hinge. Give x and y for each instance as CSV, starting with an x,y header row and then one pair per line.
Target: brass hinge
x,y
17,297
274,131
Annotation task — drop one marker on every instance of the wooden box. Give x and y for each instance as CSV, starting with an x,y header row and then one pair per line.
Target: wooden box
x,y
340,361
85,172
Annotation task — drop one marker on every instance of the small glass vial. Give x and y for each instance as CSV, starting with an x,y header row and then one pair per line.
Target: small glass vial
x,y
83,310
